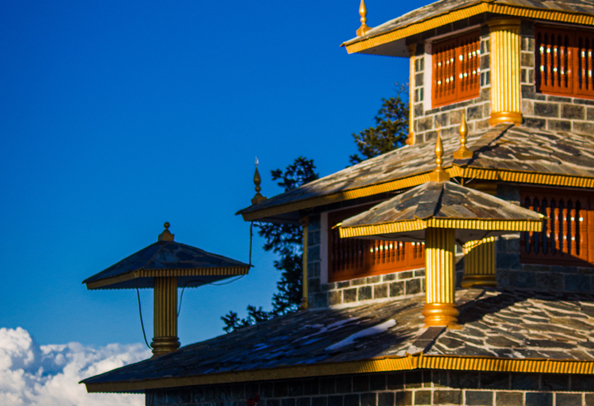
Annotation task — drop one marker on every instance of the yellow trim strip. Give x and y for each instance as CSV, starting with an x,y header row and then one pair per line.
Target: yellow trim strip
x,y
454,171
164,273
456,15
460,224
387,364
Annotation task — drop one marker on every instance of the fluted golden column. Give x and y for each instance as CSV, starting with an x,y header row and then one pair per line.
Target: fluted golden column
x,y
165,336
440,278
505,71
479,263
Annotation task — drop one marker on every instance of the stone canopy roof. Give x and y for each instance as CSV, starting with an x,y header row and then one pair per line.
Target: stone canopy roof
x,y
507,325
475,215
192,267
388,38
501,153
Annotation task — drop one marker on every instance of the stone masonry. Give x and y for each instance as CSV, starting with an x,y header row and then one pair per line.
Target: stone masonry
x,y
394,389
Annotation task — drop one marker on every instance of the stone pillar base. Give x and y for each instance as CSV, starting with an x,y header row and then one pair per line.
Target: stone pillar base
x,y
164,345
441,315
479,280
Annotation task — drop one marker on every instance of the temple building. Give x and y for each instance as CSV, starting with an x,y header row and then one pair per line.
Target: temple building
x,y
456,270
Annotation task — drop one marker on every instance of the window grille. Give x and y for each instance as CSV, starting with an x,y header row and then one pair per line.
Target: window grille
x,y
351,258
568,233
564,61
456,69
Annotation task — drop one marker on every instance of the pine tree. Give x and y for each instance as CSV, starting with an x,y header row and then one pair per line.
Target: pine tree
x,y
390,131
286,240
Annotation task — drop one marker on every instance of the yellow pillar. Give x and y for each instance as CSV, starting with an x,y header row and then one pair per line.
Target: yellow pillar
x,y
505,71
411,90
479,263
304,285
165,335
440,278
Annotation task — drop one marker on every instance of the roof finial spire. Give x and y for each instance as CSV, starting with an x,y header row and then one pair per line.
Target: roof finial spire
x,y
363,13
463,152
258,198
439,174
166,234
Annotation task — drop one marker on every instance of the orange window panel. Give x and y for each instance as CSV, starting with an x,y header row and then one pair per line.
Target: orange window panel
x,y
350,258
568,233
456,69
564,62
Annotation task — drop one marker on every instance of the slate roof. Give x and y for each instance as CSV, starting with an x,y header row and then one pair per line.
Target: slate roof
x,y
507,324
447,6
167,255
503,147
441,200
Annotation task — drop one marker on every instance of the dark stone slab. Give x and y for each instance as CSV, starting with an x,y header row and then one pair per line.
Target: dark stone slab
x,y
422,397
546,109
335,297
352,400
559,125
385,399
464,380
525,382
377,382
344,384
327,386
554,382
307,402
573,111
291,402
334,401
447,397
582,382
476,398
508,398
365,293
413,286
350,295
404,398
361,383
568,399
539,399
494,380
395,381
577,283
368,399
380,291
310,387
318,401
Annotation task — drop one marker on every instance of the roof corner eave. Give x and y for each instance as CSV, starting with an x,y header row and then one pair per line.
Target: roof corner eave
x,y
375,365
371,42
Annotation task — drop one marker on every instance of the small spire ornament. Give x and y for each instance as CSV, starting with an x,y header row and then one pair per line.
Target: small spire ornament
x,y
166,234
363,13
258,198
463,152
439,174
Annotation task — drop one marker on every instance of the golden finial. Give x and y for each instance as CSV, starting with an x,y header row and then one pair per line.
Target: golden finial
x,y
463,152
439,174
258,198
166,234
363,13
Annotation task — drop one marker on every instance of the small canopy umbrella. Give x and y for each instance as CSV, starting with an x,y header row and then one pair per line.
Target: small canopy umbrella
x,y
441,213
165,266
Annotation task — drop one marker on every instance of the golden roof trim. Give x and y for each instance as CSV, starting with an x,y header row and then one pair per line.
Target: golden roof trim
x,y
456,15
459,224
164,273
385,364
415,180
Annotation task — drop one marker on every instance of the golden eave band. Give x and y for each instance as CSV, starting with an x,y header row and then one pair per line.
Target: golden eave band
x,y
387,364
415,180
164,273
459,224
456,15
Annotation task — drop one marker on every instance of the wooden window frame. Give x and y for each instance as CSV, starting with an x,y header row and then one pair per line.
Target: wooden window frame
x,y
352,258
456,69
564,61
567,238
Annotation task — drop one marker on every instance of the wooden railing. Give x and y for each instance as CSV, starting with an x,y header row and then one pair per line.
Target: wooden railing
x,y
351,258
568,233
564,62
456,72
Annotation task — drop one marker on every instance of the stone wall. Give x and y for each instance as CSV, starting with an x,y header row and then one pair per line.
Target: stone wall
x,y
448,117
394,389
513,274
549,112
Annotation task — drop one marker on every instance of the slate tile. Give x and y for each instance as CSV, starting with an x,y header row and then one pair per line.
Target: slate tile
x,y
539,399
369,399
554,382
568,399
447,397
384,399
508,398
476,398
422,397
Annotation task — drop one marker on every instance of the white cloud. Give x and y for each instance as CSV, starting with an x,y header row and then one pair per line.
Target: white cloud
x,y
48,375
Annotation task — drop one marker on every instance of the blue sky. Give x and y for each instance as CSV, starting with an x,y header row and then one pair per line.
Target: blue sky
x,y
117,116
